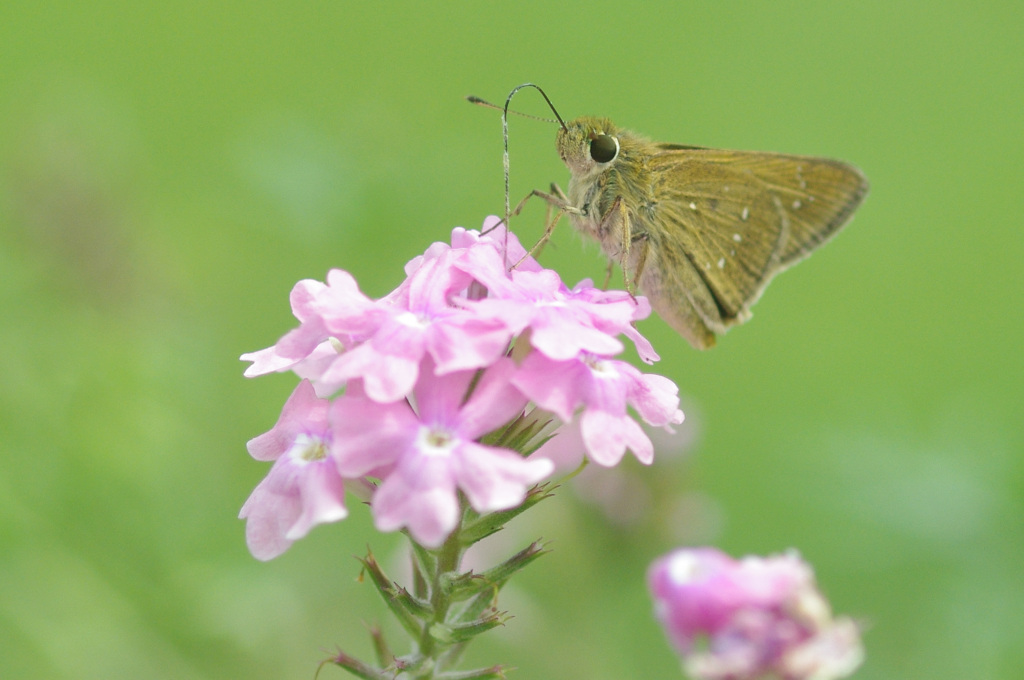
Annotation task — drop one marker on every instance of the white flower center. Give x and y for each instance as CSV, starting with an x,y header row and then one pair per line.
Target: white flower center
x,y
412,320
682,568
435,441
307,449
601,368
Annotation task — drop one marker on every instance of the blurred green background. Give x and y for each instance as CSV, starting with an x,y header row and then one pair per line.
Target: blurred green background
x,y
169,170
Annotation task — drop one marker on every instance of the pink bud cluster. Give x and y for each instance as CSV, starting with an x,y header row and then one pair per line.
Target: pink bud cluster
x,y
757,617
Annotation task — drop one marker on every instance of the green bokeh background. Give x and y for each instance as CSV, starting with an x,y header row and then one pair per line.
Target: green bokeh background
x,y
169,170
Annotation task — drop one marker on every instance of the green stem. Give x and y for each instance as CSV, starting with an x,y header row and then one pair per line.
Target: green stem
x,y
448,559
447,608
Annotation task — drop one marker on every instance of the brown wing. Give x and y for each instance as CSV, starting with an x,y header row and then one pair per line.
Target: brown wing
x,y
676,291
729,221
817,196
718,218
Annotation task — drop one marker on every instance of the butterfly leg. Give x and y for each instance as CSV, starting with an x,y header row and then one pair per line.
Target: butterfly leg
x,y
557,200
549,228
563,208
557,191
549,223
616,228
641,260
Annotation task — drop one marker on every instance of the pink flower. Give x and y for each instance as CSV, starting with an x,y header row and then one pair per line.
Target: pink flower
x,y
603,388
494,232
397,371
760,617
421,321
437,311
433,450
303,488
318,306
383,342
562,322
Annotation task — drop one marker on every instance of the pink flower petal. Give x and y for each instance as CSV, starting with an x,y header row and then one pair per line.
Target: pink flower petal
x,y
344,309
493,231
494,402
607,438
656,399
469,344
385,378
556,386
322,492
369,435
644,348
439,397
301,490
563,337
420,495
565,449
268,517
497,479
266,361
302,413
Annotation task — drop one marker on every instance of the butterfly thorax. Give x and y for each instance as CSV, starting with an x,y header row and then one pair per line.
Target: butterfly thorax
x,y
597,189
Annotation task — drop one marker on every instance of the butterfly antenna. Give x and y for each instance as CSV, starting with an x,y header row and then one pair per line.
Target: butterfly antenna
x,y
504,133
483,102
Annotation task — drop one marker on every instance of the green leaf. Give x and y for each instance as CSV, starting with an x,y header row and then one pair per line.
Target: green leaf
x,y
482,527
397,599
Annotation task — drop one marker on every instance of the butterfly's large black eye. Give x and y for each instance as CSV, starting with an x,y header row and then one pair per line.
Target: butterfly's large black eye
x,y
604,148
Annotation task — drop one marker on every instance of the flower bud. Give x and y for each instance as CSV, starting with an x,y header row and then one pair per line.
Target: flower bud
x,y
758,617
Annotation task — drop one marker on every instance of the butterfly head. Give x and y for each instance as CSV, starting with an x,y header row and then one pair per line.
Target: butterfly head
x,y
588,145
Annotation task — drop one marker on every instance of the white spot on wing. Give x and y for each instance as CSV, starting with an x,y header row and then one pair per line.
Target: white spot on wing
x,y
737,238
721,263
797,204
745,215
693,206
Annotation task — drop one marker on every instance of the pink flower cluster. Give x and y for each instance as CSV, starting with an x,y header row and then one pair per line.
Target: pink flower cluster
x,y
750,618
397,393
